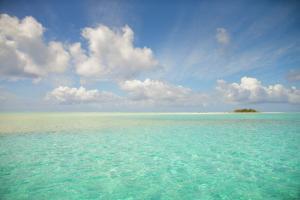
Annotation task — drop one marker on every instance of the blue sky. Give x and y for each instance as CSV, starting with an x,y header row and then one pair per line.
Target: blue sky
x,y
153,56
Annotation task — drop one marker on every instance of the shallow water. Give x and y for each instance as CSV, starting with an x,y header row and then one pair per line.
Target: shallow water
x,y
149,156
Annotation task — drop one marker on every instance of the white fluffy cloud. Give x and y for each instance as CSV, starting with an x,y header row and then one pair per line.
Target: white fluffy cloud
x,y
23,51
111,54
250,90
222,36
158,92
139,93
67,95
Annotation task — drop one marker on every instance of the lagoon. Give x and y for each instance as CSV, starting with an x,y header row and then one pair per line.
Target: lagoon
x,y
149,156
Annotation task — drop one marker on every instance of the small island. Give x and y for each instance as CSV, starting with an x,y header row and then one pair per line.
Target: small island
x,y
245,110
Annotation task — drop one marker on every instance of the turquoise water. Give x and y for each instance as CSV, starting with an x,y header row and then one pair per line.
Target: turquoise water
x,y
149,156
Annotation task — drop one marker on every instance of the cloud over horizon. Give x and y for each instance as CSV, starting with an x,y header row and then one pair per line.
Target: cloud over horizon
x,y
159,92
142,93
251,90
68,95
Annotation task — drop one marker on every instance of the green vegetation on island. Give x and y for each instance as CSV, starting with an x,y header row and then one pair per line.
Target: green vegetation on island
x,y
245,110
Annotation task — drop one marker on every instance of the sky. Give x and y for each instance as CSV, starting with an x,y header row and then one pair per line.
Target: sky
x,y
149,56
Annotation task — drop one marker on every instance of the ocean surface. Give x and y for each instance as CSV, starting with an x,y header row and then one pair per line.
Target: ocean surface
x,y
149,156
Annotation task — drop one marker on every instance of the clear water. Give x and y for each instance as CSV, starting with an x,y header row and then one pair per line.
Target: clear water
x,y
149,156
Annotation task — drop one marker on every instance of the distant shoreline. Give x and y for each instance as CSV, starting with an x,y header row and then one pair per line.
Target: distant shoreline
x,y
146,113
